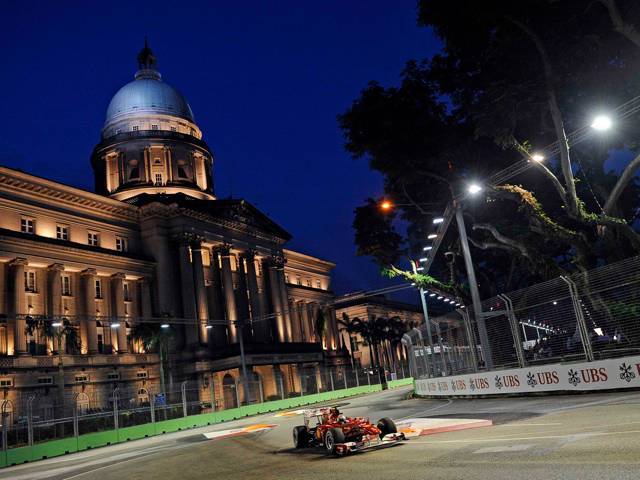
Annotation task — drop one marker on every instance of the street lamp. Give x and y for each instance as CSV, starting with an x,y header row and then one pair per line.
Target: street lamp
x,y
386,205
474,188
164,326
601,123
432,236
438,220
56,324
538,157
426,249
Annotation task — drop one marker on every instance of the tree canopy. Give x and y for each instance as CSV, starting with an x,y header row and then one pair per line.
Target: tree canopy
x,y
511,77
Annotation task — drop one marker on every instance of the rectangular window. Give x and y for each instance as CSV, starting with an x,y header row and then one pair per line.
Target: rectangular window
x,y
298,280
142,374
28,225
308,282
134,128
66,285
62,232
98,288
93,239
154,127
127,293
6,382
318,284
113,376
30,281
122,244
82,378
118,131
173,129
158,179
45,380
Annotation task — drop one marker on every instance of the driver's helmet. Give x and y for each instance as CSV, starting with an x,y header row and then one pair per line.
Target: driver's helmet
x,y
342,418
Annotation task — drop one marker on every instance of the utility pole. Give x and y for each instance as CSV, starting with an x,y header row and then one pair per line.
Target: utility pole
x,y
427,323
243,361
473,287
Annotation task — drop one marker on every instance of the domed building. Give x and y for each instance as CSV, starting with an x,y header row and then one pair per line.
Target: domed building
x,y
151,252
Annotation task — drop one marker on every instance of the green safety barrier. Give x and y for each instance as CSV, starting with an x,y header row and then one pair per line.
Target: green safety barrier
x,y
54,448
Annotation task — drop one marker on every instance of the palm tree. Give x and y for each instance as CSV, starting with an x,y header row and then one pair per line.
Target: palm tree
x,y
373,332
348,325
56,332
154,338
320,325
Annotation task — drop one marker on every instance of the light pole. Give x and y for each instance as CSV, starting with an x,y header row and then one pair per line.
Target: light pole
x,y
473,287
427,323
243,362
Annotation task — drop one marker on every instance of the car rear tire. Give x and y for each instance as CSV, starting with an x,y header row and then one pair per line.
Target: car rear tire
x,y
386,426
300,437
332,438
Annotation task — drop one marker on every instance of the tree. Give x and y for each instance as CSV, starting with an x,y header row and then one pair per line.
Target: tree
x,y
320,325
510,75
346,324
66,333
155,338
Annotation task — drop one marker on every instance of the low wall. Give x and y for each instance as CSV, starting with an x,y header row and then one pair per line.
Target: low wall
x,y
64,446
607,374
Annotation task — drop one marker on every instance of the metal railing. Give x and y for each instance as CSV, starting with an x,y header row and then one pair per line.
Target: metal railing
x,y
586,316
40,415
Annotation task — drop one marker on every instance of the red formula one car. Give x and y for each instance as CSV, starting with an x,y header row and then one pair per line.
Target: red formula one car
x,y
339,435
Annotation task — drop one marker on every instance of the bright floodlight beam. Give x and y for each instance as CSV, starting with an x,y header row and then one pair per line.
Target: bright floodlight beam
x,y
601,123
474,188
438,220
538,157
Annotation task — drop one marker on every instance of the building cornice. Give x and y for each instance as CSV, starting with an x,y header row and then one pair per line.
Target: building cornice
x,y
21,183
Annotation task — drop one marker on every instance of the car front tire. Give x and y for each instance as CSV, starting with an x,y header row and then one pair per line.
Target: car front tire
x,y
386,426
332,438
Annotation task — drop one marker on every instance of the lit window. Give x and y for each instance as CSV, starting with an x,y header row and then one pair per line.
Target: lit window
x,y
6,382
308,282
318,284
93,239
66,285
30,281
134,128
127,293
27,225
122,244
158,179
98,288
62,232
154,127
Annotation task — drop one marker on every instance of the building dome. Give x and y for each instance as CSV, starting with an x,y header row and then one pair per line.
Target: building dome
x,y
148,94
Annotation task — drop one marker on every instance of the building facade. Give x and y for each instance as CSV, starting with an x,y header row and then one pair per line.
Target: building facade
x,y
81,272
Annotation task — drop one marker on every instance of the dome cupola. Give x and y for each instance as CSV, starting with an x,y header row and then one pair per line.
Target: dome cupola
x,y
150,141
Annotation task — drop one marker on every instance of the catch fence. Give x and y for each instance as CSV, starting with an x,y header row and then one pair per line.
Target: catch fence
x,y
587,316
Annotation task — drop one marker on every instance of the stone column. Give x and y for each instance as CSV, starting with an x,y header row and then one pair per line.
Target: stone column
x,y
229,294
88,327
285,302
146,310
117,310
295,321
276,297
219,334
260,325
19,305
187,289
200,290
54,293
304,317
242,300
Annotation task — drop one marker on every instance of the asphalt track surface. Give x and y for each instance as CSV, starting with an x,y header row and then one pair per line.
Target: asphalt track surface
x,y
582,437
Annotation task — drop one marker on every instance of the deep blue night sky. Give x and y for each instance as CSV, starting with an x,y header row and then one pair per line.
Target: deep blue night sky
x,y
265,81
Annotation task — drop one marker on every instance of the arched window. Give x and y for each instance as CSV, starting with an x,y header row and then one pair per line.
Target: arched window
x,y
6,407
82,402
143,396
